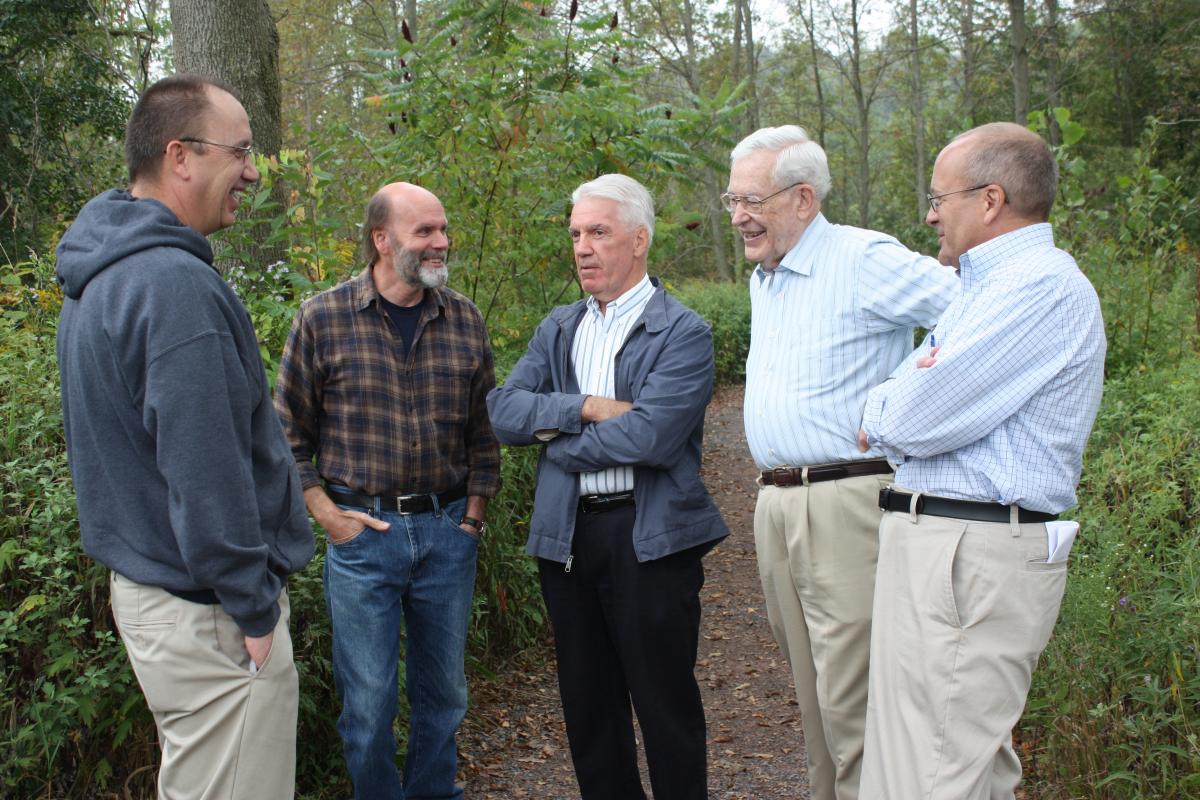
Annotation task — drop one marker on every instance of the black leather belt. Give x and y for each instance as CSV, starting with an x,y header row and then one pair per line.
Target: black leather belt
x,y
892,500
599,503
398,503
794,476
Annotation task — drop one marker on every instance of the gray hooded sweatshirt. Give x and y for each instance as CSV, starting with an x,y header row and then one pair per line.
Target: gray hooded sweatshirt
x,y
183,477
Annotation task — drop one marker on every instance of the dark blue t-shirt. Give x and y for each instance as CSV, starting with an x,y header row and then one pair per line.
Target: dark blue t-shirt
x,y
405,319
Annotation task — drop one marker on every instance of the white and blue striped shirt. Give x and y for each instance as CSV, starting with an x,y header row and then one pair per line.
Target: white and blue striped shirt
x,y
597,341
1004,413
830,322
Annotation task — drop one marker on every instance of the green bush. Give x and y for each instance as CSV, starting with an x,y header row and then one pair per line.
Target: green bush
x,y
727,307
1115,709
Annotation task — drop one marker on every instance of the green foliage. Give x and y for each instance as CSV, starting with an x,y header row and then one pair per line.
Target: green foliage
x,y
61,103
1128,233
73,715
1115,709
727,307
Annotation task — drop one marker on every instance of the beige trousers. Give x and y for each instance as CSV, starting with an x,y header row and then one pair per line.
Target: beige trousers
x,y
816,550
224,734
962,611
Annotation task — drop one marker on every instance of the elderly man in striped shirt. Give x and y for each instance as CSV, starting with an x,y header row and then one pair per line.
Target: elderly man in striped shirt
x,y
834,308
988,429
615,387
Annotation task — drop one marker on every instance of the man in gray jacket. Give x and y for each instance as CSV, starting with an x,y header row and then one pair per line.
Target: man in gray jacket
x,y
615,388
185,484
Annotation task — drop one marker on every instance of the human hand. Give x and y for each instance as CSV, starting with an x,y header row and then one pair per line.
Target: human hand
x,y
863,444
259,647
598,409
928,361
341,525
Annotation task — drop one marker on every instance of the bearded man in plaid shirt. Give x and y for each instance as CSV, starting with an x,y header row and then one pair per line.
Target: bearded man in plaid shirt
x,y
382,392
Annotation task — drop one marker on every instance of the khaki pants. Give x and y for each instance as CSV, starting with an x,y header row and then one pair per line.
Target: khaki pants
x,y
962,611
816,549
224,734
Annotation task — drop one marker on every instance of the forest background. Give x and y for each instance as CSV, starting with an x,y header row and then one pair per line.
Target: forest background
x,y
501,108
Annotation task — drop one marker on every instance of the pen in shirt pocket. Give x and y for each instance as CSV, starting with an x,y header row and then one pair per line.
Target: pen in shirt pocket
x,y
932,340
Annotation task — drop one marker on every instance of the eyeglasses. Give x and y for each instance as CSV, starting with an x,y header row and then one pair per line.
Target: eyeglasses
x,y
935,200
752,204
242,152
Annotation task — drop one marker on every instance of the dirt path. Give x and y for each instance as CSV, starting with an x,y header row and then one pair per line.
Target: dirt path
x,y
513,744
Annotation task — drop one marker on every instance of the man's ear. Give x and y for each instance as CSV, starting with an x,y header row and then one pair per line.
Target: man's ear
x,y
380,238
641,241
807,208
993,202
177,159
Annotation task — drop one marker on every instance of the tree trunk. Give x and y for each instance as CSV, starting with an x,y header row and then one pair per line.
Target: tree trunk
x,y
967,34
751,66
234,41
918,109
863,114
1053,72
1019,42
717,224
810,26
410,15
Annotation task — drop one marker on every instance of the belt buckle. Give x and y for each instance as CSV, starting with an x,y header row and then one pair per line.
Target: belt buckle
x,y
401,499
885,497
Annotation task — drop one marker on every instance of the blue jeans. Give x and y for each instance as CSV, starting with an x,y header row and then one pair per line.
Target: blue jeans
x,y
421,570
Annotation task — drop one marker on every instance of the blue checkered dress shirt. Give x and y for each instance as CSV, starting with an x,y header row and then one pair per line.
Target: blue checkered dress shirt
x,y
1005,412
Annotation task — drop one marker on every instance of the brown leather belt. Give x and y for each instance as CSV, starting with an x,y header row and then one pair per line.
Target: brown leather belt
x,y
796,476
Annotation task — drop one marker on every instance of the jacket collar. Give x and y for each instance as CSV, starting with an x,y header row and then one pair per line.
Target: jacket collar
x,y
654,317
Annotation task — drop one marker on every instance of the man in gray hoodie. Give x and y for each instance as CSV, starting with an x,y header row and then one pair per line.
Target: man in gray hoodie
x,y
186,487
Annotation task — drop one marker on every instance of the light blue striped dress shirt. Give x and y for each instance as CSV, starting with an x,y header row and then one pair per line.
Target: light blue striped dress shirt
x,y
597,341
1005,412
830,322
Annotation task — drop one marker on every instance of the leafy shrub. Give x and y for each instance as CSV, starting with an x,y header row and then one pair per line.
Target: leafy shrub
x,y
727,307
1115,708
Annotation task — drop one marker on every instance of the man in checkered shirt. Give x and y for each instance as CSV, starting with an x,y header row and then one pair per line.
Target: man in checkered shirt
x,y
382,393
987,428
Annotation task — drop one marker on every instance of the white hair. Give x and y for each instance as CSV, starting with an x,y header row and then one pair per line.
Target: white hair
x,y
636,204
799,159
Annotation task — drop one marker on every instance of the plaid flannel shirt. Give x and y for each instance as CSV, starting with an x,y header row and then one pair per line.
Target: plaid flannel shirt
x,y
360,412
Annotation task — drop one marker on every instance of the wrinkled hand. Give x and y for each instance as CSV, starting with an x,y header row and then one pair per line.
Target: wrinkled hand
x,y
598,409
928,361
341,525
259,647
863,444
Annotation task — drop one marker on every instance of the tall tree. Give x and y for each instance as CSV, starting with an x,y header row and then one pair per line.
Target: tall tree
x,y
917,104
235,41
814,53
1018,37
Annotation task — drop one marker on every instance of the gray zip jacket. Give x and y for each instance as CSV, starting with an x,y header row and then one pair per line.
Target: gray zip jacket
x,y
665,368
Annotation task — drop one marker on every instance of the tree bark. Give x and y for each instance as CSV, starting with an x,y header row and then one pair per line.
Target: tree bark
x,y
1053,71
967,33
918,109
1019,44
234,41
810,27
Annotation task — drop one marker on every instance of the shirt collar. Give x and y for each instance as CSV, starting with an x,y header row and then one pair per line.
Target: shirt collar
x,y
801,258
631,300
983,259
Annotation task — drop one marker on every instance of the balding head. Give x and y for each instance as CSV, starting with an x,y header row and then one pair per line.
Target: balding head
x,y
1014,158
391,204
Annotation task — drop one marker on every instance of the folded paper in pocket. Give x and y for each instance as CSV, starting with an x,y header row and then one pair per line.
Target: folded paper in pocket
x,y
1060,535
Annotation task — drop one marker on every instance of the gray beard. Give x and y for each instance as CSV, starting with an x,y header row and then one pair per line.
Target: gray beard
x,y
407,265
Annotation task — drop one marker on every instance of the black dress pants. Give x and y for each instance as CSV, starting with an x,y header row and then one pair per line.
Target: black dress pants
x,y
625,631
